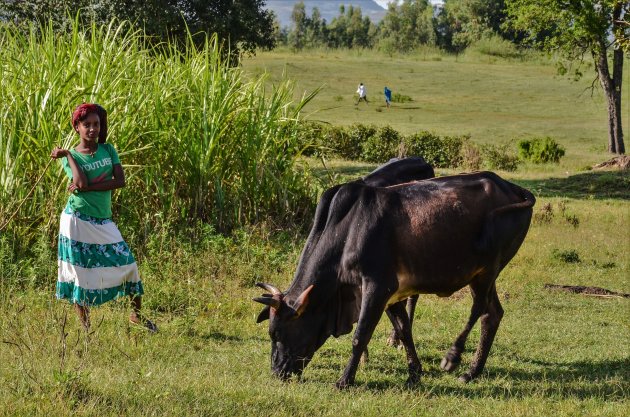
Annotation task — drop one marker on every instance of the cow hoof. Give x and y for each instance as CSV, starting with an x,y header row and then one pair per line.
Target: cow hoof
x,y
450,364
412,382
414,377
342,384
466,378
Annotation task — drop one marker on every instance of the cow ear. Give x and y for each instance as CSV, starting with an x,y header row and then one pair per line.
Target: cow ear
x,y
302,302
264,315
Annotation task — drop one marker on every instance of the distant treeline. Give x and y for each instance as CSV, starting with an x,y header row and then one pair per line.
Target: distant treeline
x,y
407,25
241,26
245,27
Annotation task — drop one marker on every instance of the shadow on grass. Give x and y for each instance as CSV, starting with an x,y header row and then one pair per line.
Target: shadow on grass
x,y
609,379
406,107
590,185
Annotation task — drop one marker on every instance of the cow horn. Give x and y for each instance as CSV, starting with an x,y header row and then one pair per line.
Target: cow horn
x,y
271,302
273,290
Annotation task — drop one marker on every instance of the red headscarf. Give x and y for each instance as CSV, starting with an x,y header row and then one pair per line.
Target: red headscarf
x,y
83,110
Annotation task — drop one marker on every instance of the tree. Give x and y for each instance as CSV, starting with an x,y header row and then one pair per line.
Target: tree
x,y
297,35
243,25
407,25
462,22
576,29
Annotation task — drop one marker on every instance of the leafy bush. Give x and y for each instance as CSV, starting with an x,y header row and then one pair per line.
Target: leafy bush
x,y
381,146
440,152
494,45
540,150
349,144
570,256
401,98
470,157
499,157
310,138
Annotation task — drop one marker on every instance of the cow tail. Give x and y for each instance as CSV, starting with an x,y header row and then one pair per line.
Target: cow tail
x,y
486,241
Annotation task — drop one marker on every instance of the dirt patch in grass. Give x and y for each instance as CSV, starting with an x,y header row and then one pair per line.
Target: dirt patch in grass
x,y
580,289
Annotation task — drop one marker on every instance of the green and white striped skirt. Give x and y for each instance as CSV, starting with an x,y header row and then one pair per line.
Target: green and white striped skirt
x,y
95,263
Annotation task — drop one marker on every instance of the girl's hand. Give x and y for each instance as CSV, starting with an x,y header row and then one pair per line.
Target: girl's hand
x,y
59,153
72,188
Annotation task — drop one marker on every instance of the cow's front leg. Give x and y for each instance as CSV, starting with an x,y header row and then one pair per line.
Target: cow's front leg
x,y
402,327
372,307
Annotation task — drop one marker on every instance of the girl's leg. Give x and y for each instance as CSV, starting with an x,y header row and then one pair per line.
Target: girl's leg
x,y
84,315
137,317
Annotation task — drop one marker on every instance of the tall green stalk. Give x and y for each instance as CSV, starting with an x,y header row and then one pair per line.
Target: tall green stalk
x,y
198,140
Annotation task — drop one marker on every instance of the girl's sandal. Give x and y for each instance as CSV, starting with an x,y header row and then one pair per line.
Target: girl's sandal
x,y
147,324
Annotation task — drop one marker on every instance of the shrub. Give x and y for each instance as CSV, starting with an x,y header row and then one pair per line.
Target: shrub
x,y
544,215
401,98
499,157
356,136
470,157
440,152
570,256
310,138
381,146
540,150
494,45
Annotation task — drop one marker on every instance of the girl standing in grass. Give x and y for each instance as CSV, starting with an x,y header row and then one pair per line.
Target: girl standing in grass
x,y
95,263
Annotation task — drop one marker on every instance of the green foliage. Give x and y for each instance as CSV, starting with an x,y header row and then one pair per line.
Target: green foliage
x,y
575,30
461,23
540,150
250,24
470,154
440,152
199,142
406,26
499,157
494,45
341,143
569,256
381,146
401,98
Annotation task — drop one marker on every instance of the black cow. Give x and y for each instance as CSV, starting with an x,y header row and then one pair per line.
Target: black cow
x,y
370,248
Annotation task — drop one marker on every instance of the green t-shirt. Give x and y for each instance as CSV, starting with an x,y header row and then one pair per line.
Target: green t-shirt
x,y
97,168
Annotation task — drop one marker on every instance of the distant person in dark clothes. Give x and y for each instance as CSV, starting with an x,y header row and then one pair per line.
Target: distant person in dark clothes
x,y
388,96
362,92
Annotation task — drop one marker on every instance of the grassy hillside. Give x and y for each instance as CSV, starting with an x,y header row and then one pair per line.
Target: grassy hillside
x,y
493,100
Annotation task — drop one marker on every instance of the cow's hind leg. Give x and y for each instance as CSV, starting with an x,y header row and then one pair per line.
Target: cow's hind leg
x,y
402,327
490,321
372,307
453,357
393,339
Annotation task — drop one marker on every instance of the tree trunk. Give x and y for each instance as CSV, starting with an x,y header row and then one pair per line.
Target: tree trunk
x,y
612,90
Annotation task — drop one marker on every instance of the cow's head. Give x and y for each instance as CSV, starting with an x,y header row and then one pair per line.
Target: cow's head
x,y
296,331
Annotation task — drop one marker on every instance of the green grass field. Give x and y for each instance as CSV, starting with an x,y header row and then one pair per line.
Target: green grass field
x,y
492,100
555,353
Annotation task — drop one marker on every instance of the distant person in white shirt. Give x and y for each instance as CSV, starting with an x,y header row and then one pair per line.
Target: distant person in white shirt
x,y
362,91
